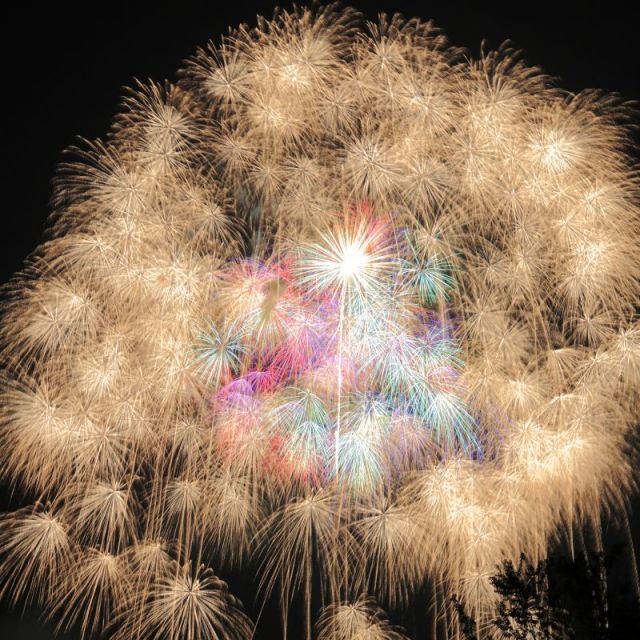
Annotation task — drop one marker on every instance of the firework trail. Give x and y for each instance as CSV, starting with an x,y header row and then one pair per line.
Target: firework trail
x,y
344,309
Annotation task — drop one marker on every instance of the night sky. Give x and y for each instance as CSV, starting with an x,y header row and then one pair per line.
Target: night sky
x,y
63,70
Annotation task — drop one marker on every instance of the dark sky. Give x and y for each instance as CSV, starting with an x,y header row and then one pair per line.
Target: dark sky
x,y
63,69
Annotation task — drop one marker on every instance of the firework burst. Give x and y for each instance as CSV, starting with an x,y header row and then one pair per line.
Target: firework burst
x,y
340,309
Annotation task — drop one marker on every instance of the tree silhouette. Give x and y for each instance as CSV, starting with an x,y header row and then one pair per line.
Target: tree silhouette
x,y
560,597
524,611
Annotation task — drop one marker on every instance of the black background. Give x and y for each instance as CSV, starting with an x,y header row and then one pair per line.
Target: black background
x,y
63,68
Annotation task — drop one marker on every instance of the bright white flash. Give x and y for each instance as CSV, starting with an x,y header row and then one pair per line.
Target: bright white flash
x,y
354,260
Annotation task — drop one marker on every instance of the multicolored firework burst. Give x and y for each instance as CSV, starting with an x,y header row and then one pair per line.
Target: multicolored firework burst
x,y
347,371
343,310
